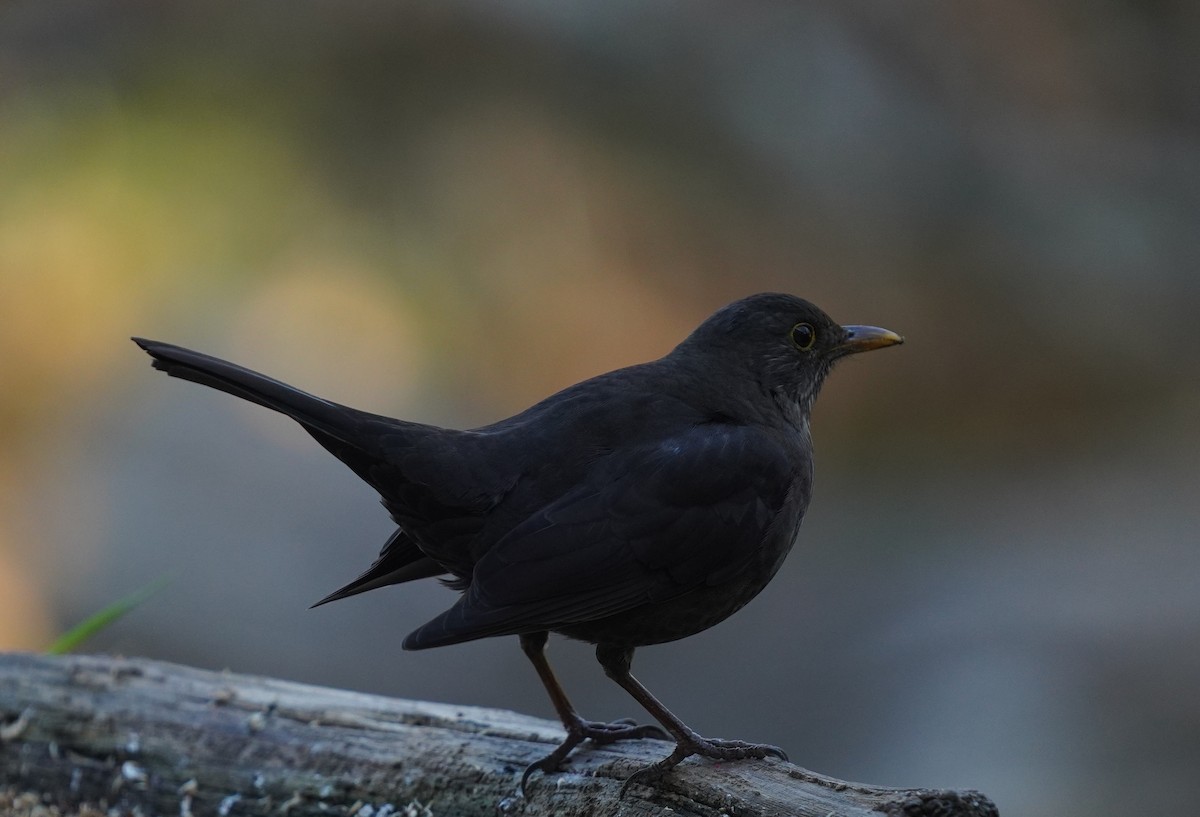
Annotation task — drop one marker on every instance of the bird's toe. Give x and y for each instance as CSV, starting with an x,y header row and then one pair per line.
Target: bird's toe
x,y
623,729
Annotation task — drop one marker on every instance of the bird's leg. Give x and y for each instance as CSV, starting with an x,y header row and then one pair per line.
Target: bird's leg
x,y
578,729
616,661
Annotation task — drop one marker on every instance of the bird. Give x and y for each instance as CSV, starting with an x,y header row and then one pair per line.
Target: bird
x,y
634,508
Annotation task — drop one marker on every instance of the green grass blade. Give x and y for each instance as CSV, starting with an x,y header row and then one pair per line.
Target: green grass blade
x,y
77,635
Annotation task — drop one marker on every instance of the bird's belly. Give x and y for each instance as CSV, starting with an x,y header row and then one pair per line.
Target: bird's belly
x,y
676,618
696,610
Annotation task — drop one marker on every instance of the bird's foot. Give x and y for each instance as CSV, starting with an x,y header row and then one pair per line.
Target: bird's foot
x,y
714,748
597,732
622,729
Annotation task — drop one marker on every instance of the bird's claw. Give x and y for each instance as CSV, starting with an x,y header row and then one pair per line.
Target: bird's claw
x,y
550,764
719,749
713,748
597,732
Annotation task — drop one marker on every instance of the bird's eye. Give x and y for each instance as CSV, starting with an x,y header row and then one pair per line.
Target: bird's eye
x,y
804,336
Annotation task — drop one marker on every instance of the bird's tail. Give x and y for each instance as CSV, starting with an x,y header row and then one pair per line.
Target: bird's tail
x,y
318,416
351,435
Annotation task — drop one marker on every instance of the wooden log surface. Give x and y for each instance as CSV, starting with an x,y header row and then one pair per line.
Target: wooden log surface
x,y
104,735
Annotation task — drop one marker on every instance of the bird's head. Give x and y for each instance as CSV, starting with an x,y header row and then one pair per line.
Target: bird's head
x,y
784,344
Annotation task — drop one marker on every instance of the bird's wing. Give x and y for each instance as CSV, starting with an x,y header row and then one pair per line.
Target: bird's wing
x,y
650,524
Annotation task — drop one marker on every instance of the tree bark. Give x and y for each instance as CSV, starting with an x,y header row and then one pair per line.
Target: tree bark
x,y
146,737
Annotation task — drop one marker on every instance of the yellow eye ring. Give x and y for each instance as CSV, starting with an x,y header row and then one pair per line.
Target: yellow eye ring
x,y
804,336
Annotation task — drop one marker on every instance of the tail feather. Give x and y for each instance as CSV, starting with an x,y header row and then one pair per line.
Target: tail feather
x,y
349,434
377,448
312,412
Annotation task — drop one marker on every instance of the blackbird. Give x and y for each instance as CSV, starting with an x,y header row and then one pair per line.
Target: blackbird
x,y
634,508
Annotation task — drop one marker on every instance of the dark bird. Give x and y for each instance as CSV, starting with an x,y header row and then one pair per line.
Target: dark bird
x,y
634,508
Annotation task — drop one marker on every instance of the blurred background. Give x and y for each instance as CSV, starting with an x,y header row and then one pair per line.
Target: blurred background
x,y
446,211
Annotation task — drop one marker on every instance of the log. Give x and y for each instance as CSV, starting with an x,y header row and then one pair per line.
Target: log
x,y
108,735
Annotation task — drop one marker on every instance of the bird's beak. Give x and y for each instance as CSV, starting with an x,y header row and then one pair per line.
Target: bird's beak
x,y
866,338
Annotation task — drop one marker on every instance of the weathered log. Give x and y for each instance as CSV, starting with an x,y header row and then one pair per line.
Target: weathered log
x,y
138,736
